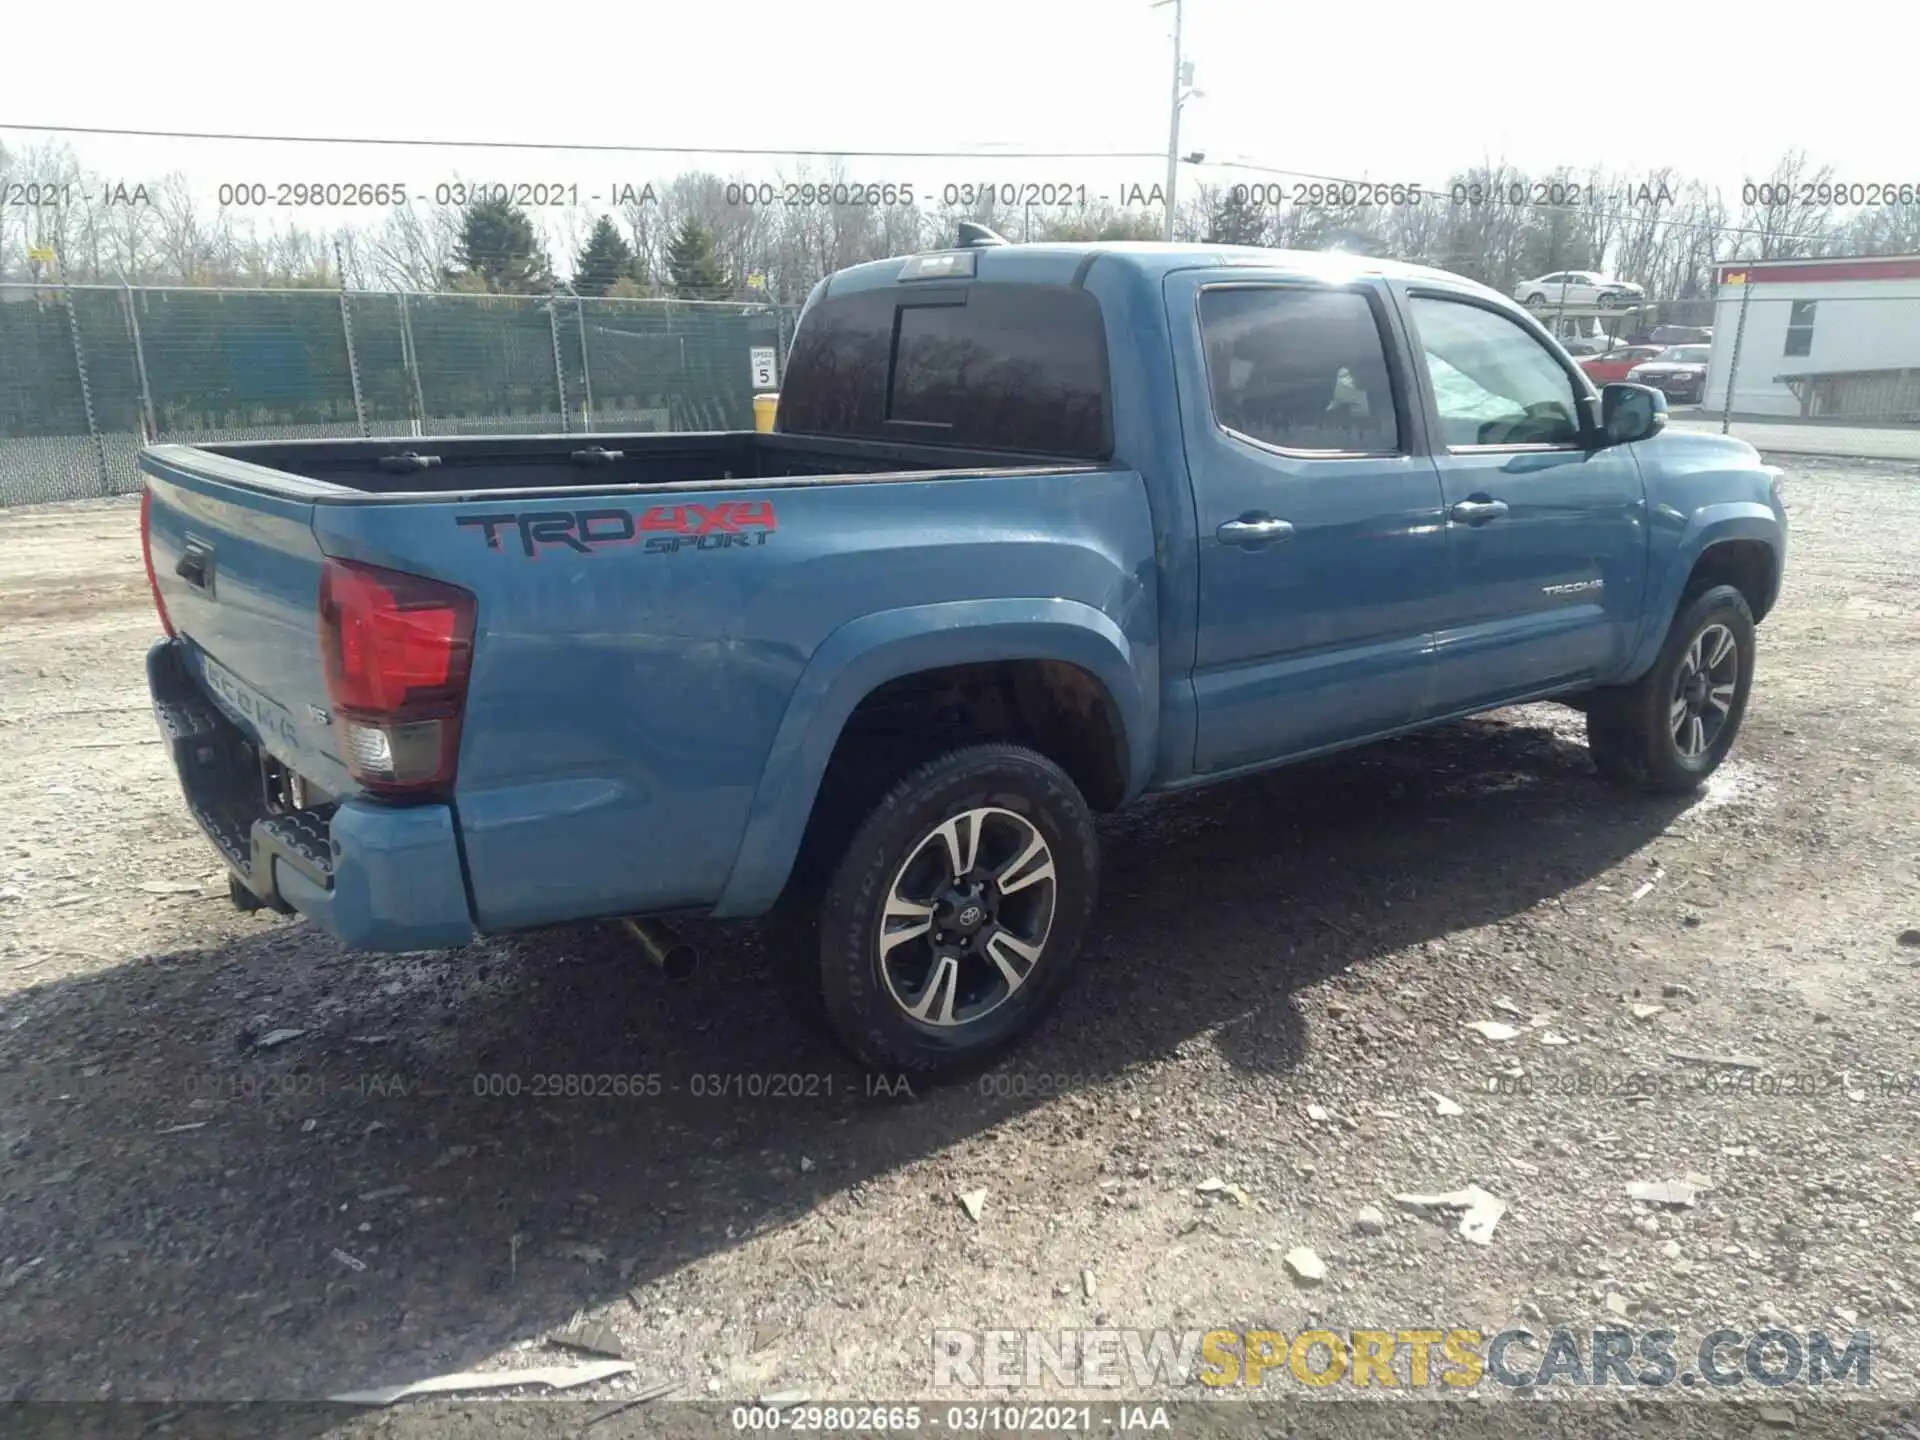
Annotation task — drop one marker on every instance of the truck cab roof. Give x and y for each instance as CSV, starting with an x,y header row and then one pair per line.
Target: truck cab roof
x,y
1065,263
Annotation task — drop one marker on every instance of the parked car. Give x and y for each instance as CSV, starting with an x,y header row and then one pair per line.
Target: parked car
x,y
1578,287
1039,530
1610,366
1680,335
1679,372
1580,334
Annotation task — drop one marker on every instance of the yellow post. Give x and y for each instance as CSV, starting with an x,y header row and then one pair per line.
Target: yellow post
x,y
764,409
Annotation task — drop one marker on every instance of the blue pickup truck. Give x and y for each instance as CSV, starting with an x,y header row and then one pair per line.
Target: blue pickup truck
x,y
1040,529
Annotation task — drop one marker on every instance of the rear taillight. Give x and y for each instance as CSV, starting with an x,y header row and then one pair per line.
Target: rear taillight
x,y
398,649
146,554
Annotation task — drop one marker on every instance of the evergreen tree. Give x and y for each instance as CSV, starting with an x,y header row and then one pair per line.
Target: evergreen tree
x,y
694,270
499,252
606,259
1236,221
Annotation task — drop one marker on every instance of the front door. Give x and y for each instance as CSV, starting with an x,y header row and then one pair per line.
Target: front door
x,y
1321,545
1546,533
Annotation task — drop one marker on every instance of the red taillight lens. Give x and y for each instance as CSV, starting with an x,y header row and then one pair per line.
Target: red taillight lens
x,y
398,649
146,554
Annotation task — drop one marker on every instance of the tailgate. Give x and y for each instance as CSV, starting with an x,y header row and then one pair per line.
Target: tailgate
x,y
238,570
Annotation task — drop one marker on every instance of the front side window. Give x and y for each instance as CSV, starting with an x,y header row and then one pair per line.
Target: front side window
x,y
1299,369
1493,382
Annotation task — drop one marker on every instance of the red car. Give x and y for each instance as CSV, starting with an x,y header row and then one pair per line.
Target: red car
x,y
1614,365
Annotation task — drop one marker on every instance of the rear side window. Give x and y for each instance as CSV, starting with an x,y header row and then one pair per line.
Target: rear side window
x,y
1299,369
1016,367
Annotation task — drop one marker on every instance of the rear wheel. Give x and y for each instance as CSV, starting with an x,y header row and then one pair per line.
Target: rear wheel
x,y
1669,730
954,915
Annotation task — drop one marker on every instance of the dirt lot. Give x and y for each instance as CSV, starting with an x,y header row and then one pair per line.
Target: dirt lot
x,y
1282,969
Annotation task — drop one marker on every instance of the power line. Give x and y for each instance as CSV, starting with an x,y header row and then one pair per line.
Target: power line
x,y
600,148
777,152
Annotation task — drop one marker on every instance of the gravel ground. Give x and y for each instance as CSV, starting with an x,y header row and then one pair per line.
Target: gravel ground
x,y
192,1207
1827,438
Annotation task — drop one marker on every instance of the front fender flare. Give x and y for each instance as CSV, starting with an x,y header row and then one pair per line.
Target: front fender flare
x,y
1710,525
865,653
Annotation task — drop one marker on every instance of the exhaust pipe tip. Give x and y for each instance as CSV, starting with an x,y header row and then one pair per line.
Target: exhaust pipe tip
x,y
665,951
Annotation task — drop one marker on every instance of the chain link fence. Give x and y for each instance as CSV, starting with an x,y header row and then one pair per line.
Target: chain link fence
x,y
89,372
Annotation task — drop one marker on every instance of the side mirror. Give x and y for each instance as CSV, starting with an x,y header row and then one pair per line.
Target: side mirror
x,y
1631,412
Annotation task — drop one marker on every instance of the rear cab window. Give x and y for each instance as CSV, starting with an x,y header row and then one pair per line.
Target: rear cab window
x,y
988,366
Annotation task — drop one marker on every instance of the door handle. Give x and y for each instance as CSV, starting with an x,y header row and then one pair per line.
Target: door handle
x,y
1254,530
1478,512
196,566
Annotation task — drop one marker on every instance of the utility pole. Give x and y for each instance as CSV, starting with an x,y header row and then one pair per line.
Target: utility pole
x,y
1173,130
1182,75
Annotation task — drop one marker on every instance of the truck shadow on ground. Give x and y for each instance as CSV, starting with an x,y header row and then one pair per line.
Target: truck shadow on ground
x,y
203,1217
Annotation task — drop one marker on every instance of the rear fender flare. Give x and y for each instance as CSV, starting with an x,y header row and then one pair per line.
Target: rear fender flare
x,y
865,653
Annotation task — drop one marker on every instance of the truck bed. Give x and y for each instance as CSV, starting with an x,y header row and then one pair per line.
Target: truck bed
x,y
454,466
641,630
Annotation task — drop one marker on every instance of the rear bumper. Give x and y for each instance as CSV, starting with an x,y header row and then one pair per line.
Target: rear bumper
x,y
376,877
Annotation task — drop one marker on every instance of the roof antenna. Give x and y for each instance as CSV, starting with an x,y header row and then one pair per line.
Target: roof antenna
x,y
973,236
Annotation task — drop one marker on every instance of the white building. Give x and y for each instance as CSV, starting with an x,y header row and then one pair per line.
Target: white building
x,y
1834,339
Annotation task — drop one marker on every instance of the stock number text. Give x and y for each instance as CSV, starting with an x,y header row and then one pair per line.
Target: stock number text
x,y
568,1087
806,192
350,194
1311,193
1829,192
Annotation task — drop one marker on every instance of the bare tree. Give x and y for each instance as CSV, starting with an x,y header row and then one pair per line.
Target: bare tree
x,y
1785,216
1884,230
412,248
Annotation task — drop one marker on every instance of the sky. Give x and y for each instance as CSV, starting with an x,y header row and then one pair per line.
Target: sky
x,y
1401,92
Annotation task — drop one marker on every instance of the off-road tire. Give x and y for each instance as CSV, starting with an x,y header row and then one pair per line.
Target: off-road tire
x,y
858,1005
1631,728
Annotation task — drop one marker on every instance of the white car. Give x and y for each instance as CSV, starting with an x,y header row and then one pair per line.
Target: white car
x,y
1578,287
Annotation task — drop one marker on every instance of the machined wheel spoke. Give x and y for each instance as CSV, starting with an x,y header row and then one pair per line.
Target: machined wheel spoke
x,y
1721,698
904,920
1677,717
1723,644
1021,871
1696,741
1014,956
961,835
943,986
1693,653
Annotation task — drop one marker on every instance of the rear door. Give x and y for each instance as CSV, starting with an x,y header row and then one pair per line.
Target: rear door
x,y
239,572
1545,535
1321,549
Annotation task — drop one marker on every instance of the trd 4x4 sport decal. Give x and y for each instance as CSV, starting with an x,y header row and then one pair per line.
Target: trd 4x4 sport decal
x,y
663,529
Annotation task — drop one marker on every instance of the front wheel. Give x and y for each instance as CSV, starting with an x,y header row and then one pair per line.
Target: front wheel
x,y
956,911
1669,730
